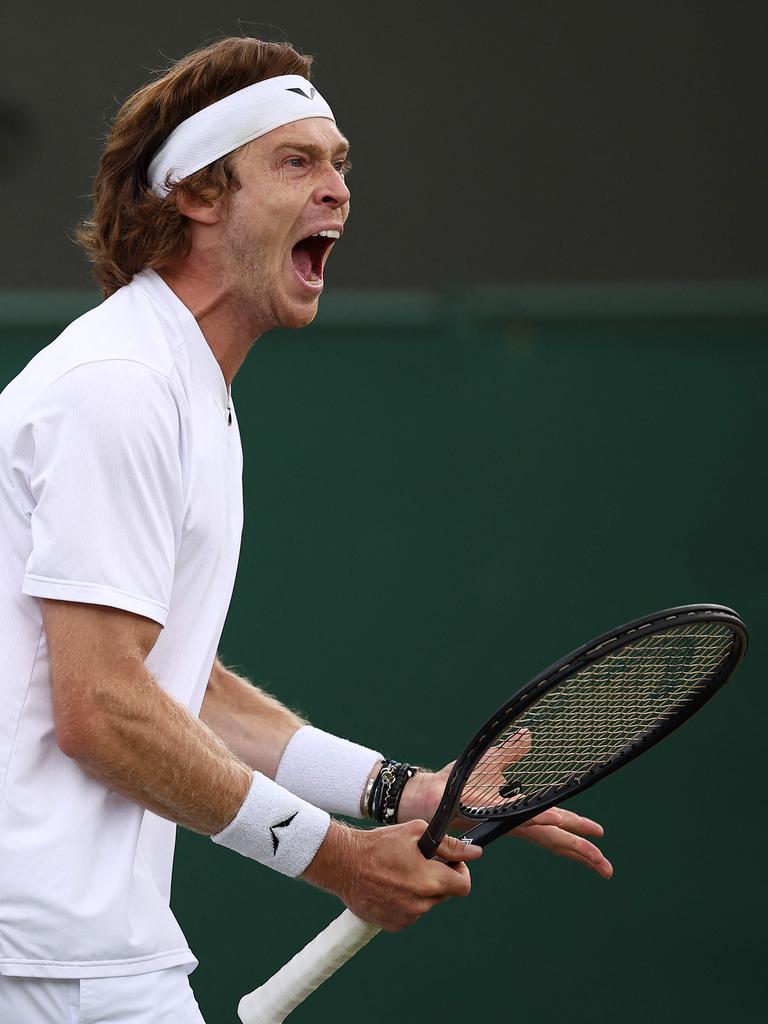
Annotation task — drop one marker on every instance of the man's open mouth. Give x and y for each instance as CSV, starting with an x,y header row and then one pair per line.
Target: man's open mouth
x,y
310,253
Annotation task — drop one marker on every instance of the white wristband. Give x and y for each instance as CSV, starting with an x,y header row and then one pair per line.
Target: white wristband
x,y
275,828
327,770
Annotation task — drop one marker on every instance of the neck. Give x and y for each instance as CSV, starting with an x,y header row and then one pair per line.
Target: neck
x,y
228,328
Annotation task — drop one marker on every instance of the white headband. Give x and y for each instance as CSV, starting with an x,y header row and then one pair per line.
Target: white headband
x,y
226,125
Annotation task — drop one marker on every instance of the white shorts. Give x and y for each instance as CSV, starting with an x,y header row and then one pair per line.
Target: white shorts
x,y
162,997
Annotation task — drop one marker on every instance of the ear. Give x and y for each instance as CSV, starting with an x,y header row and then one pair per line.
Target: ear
x,y
194,209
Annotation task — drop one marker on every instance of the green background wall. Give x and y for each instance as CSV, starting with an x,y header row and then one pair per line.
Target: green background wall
x,y
443,494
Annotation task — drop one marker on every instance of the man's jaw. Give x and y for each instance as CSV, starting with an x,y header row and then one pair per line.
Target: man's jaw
x,y
290,290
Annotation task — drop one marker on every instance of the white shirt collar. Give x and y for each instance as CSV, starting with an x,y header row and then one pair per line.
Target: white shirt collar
x,y
159,292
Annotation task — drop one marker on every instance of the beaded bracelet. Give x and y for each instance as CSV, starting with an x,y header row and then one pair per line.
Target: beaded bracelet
x,y
387,790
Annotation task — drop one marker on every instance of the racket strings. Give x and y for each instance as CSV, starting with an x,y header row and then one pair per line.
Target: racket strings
x,y
595,714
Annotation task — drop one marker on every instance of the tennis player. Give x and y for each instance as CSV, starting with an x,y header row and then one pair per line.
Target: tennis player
x,y
220,195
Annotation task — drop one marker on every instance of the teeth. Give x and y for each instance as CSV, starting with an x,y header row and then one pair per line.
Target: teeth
x,y
327,234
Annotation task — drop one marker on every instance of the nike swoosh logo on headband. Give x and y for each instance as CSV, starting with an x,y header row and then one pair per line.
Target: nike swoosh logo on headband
x,y
309,96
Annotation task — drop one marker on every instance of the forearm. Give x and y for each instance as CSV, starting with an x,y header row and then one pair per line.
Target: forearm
x,y
325,770
253,724
147,747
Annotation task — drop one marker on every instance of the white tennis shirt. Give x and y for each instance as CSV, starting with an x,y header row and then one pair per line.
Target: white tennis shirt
x,y
120,485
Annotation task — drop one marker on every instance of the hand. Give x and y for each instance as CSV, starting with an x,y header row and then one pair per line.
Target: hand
x,y
564,833
558,830
383,877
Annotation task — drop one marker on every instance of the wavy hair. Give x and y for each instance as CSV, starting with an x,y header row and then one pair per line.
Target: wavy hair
x,y
130,226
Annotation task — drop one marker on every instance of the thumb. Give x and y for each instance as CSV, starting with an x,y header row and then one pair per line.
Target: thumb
x,y
452,849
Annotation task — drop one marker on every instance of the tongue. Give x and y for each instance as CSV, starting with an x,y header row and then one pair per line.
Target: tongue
x,y
302,260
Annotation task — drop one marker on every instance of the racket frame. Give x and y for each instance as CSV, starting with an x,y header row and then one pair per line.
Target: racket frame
x,y
275,999
494,824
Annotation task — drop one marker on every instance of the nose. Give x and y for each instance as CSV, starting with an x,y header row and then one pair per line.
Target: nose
x,y
333,190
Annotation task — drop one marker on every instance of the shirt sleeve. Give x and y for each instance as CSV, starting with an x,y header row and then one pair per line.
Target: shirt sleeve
x,y
105,488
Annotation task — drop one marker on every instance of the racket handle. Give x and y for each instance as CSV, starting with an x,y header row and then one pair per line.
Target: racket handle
x,y
323,956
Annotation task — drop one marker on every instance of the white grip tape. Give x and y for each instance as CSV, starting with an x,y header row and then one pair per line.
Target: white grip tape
x,y
320,958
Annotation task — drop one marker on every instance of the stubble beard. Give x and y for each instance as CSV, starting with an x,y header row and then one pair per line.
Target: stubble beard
x,y
253,286
247,277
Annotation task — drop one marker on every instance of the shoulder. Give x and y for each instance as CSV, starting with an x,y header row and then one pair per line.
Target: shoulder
x,y
108,410
114,390
125,327
114,359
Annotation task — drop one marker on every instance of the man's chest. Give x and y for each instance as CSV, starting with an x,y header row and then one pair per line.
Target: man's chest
x,y
213,514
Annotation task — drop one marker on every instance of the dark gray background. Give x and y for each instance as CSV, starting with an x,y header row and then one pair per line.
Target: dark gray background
x,y
527,141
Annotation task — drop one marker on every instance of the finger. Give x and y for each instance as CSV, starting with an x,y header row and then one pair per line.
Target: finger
x,y
510,750
452,850
454,880
553,816
558,840
494,773
506,752
567,820
517,744
565,844
600,865
579,825
603,867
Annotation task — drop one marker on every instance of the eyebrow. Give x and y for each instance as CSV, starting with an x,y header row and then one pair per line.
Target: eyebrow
x,y
312,149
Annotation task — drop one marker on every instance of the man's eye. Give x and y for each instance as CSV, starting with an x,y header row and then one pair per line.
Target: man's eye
x,y
343,167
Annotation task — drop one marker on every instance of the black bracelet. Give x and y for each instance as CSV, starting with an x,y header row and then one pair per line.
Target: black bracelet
x,y
387,790
383,778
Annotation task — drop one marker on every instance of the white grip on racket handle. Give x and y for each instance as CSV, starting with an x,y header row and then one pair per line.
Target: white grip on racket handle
x,y
323,956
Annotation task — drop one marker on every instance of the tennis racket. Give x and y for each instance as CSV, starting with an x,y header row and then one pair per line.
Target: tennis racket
x,y
590,713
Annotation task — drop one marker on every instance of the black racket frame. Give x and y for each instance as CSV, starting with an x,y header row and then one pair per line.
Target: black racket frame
x,y
493,825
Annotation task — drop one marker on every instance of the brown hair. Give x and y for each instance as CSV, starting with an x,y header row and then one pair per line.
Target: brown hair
x,y
131,227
